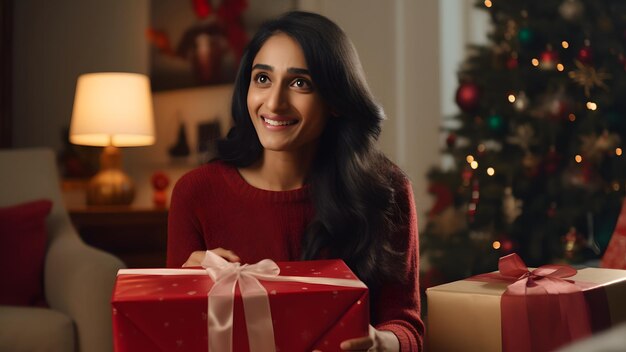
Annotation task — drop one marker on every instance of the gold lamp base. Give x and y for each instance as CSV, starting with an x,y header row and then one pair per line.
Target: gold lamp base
x,y
110,186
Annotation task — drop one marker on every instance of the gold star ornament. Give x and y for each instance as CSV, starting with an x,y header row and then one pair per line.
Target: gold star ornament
x,y
588,77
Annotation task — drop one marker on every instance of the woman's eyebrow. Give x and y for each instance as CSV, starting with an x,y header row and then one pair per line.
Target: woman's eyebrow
x,y
292,70
263,67
298,71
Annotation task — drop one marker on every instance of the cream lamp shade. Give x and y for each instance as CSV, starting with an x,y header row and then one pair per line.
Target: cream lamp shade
x,y
112,108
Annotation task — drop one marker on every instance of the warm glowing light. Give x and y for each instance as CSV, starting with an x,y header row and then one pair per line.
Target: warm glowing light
x,y
618,151
511,98
565,44
481,148
488,3
474,164
572,117
535,62
496,244
475,194
578,158
471,207
491,171
560,67
592,106
469,159
616,186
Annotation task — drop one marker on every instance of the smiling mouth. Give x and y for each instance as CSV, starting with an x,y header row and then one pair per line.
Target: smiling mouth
x,y
279,122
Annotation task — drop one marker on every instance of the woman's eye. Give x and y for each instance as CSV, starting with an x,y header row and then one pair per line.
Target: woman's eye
x,y
262,79
302,83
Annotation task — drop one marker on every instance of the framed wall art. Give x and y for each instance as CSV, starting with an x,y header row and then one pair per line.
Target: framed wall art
x,y
200,42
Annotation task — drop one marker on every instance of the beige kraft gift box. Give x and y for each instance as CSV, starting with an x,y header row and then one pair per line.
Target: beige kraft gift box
x,y
465,315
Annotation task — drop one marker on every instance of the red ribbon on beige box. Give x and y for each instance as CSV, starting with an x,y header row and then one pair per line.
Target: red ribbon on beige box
x,y
540,309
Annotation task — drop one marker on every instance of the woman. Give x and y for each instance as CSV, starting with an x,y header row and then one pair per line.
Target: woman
x,y
299,177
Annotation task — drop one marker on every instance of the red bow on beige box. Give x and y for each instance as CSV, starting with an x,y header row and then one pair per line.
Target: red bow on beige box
x,y
540,309
221,298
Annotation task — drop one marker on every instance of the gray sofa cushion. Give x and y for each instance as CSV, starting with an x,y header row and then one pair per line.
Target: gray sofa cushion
x,y
26,329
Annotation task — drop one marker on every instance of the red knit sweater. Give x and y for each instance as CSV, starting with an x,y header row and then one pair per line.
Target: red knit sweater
x,y
213,206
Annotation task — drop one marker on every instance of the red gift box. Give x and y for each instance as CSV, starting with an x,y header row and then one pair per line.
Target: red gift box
x,y
615,255
168,309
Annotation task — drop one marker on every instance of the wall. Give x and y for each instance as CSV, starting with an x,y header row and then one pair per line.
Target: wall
x,y
56,41
460,24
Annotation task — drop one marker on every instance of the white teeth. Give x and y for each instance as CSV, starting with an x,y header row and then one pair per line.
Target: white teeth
x,y
278,123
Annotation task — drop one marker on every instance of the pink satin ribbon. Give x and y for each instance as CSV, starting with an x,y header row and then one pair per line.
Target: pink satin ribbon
x,y
540,311
256,304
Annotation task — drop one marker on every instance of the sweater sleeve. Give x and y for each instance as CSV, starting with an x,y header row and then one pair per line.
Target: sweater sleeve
x,y
396,305
184,234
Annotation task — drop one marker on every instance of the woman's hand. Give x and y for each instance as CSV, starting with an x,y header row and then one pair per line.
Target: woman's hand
x,y
195,259
377,341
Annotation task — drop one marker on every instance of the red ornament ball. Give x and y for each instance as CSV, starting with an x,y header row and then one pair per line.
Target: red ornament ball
x,y
585,55
506,245
512,63
468,96
159,181
552,162
622,61
444,198
466,175
202,8
451,140
548,60
559,108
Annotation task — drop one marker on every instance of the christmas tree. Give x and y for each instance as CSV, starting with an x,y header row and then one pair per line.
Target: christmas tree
x,y
534,163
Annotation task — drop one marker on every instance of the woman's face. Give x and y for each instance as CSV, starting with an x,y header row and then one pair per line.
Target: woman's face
x,y
287,111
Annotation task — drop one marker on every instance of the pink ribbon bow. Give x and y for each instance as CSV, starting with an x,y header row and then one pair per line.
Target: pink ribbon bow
x,y
255,302
541,310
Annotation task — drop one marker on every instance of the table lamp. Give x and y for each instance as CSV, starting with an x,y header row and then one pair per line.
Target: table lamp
x,y
111,110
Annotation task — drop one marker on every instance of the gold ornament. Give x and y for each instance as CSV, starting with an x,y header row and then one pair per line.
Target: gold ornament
x,y
524,137
511,30
605,24
571,10
521,102
449,222
530,163
589,77
594,146
553,104
501,48
511,206
572,241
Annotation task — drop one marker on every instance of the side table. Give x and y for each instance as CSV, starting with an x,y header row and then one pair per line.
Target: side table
x,y
137,235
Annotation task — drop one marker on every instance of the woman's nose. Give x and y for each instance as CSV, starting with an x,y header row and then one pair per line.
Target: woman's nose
x,y
277,100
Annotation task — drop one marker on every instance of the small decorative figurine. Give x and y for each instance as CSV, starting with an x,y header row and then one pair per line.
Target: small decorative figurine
x,y
160,181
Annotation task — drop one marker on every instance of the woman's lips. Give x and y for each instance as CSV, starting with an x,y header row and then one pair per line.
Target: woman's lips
x,y
278,122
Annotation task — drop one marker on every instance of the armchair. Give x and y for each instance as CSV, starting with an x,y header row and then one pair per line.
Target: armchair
x,y
78,279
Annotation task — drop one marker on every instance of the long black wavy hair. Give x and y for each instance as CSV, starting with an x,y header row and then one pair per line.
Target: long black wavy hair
x,y
352,183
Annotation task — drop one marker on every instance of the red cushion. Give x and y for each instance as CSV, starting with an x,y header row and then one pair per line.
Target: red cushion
x,y
22,252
